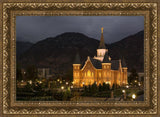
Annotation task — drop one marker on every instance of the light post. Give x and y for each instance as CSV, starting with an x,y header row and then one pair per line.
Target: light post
x,y
124,94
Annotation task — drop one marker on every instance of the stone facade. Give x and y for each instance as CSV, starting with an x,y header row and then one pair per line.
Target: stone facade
x,y
99,69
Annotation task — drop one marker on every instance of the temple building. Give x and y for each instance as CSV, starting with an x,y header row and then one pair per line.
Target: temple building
x,y
99,69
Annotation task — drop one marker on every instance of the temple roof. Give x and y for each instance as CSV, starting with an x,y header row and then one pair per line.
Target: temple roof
x,y
77,59
102,43
96,63
106,58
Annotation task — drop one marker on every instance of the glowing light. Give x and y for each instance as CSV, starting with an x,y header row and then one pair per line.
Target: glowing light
x,y
107,82
62,87
123,91
139,84
83,83
30,81
71,86
58,80
133,96
127,86
40,82
66,83
89,73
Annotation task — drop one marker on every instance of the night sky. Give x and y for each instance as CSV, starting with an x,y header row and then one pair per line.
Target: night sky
x,y
36,28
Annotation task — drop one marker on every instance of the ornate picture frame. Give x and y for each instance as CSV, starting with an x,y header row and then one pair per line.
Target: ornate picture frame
x,y
11,9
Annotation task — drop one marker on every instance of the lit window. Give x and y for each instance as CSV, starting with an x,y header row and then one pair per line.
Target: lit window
x,y
105,74
89,73
92,74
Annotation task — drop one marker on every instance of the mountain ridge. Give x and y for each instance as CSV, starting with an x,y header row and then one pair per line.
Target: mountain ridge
x,y
63,48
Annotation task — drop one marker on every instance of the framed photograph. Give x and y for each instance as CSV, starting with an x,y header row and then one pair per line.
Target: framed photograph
x,y
72,58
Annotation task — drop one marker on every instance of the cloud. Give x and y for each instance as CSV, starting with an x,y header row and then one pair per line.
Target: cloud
x,y
36,28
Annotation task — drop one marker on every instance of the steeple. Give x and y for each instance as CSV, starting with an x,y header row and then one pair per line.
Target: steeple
x,y
102,43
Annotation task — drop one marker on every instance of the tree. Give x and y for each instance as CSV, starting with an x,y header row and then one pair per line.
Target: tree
x,y
100,88
113,86
104,87
108,86
133,76
89,88
85,89
94,88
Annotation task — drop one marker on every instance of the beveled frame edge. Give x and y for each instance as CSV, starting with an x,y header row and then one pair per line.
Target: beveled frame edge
x,y
155,70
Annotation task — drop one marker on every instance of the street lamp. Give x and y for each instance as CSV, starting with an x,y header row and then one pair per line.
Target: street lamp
x,y
133,96
124,94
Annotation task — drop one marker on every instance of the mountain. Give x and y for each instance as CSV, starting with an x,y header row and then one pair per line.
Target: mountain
x,y
21,47
132,49
61,50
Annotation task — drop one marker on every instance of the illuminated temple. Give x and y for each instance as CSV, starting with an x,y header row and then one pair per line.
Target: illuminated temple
x,y
99,69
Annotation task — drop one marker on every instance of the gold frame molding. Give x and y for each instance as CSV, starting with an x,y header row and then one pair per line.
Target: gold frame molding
x,y
10,10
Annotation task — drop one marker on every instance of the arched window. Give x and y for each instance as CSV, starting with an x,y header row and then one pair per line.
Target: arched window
x,y
92,74
104,74
89,73
77,74
85,74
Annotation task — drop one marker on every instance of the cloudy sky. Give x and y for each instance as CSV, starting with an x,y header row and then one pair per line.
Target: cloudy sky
x,y
36,28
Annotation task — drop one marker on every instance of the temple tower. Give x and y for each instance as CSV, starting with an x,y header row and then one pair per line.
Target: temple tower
x,y
76,71
101,49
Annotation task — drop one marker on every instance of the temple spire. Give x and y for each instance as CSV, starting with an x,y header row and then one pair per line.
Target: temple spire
x,y
102,43
102,30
